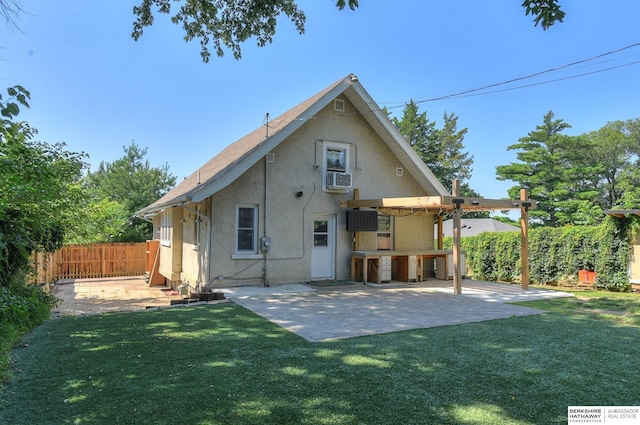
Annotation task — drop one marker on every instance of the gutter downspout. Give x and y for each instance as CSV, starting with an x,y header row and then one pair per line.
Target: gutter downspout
x,y
264,212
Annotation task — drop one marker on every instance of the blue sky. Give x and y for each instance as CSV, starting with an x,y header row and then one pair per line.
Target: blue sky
x,y
96,89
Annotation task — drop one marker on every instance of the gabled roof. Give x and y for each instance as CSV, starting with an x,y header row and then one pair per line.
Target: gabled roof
x,y
241,155
475,226
622,213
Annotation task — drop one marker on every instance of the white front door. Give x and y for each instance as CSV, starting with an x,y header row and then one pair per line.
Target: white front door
x,y
324,247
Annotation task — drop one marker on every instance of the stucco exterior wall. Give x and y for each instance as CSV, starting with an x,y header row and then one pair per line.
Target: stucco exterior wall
x,y
414,233
410,233
288,219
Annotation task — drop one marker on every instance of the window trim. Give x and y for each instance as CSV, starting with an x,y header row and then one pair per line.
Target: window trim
x,y
246,253
326,146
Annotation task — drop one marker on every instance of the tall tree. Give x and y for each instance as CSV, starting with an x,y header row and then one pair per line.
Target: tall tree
x,y
132,182
418,131
453,163
442,149
547,170
615,150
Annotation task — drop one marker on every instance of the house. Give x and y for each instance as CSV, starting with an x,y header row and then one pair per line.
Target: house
x,y
475,226
268,207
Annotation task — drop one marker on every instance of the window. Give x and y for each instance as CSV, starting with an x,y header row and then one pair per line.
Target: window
x,y
336,159
247,230
384,233
165,227
320,233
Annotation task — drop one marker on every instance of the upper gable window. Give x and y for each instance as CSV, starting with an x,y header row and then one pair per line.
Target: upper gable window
x,y
335,160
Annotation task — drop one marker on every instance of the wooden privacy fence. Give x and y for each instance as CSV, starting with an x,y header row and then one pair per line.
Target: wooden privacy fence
x,y
91,261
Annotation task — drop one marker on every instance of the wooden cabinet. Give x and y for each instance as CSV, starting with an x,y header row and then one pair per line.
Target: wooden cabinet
x,y
407,268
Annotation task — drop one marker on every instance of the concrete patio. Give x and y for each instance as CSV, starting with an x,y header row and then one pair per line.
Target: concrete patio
x,y
324,313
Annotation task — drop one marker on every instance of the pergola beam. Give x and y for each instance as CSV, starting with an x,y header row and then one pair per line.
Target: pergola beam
x,y
437,204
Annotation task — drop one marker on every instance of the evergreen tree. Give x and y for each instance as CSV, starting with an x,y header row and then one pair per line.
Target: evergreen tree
x,y
133,183
441,149
452,162
547,169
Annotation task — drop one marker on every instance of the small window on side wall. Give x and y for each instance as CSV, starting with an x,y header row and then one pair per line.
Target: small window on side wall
x,y
384,233
247,229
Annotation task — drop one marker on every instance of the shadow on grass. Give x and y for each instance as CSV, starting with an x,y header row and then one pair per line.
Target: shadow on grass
x,y
224,364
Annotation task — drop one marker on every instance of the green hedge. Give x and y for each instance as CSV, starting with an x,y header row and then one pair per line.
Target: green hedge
x,y
555,254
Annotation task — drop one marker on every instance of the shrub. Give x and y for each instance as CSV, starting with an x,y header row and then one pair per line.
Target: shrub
x,y
21,309
617,282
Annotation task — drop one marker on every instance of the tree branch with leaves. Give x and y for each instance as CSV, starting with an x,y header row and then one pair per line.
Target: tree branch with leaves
x,y
220,24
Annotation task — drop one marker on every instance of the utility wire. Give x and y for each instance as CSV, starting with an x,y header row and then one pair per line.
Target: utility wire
x,y
466,93
545,82
474,91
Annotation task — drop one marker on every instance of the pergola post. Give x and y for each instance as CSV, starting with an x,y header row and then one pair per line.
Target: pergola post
x,y
457,212
524,238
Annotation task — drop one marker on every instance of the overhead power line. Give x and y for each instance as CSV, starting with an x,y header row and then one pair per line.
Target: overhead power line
x,y
474,91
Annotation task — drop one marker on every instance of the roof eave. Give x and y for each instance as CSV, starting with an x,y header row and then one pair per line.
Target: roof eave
x,y
213,186
154,209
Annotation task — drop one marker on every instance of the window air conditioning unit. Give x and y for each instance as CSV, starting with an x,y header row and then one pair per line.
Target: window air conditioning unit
x,y
336,180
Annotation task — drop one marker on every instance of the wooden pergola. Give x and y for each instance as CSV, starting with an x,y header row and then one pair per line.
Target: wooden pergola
x,y
454,205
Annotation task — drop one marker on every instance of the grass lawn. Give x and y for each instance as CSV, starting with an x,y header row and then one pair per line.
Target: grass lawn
x,y
221,364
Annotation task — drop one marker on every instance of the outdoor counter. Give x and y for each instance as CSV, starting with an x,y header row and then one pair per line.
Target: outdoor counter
x,y
409,264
